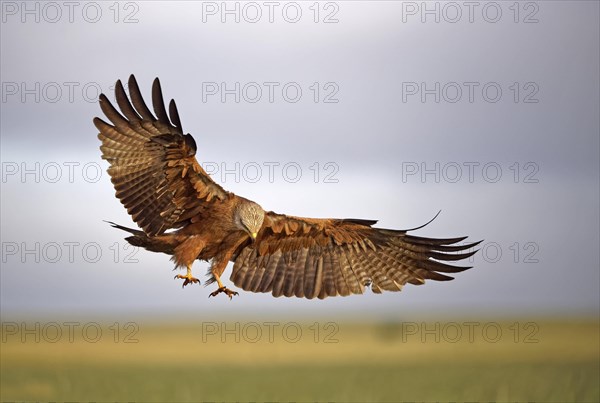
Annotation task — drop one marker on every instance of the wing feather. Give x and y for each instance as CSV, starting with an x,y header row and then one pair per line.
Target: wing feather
x,y
124,103
354,286
339,275
256,277
138,101
329,257
312,275
175,116
241,266
280,273
300,273
328,288
158,103
152,164
266,283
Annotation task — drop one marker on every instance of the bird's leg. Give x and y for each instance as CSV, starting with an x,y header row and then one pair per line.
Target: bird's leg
x,y
217,268
216,271
185,255
189,279
221,289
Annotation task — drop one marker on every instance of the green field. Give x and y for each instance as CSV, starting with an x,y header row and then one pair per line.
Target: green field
x,y
405,361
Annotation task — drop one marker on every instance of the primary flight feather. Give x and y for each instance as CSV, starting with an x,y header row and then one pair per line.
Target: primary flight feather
x,y
161,184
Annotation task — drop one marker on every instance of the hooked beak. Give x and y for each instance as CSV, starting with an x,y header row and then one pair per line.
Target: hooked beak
x,y
253,236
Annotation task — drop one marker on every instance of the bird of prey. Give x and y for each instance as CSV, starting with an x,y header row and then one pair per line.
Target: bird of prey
x,y
161,184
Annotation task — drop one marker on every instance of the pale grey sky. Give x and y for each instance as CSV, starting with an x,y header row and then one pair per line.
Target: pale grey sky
x,y
510,153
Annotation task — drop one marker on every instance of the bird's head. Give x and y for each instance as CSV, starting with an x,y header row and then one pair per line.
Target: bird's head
x,y
249,217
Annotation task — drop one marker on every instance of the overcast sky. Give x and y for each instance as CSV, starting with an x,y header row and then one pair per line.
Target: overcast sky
x,y
344,109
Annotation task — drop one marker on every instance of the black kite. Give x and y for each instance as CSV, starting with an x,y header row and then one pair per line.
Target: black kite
x,y
162,186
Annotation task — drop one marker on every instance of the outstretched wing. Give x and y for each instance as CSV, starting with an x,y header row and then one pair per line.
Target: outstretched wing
x,y
152,163
309,258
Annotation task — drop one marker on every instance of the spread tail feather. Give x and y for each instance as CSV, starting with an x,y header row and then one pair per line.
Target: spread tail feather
x,y
139,238
130,230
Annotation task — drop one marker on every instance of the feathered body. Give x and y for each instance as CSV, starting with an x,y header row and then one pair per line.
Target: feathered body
x,y
160,183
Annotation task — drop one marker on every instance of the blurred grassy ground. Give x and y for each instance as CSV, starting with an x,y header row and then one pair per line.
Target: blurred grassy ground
x,y
546,360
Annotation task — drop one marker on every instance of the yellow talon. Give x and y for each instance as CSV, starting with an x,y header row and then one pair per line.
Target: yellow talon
x,y
224,289
189,279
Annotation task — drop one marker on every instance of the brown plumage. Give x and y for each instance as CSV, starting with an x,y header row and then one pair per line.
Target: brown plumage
x,y
159,181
